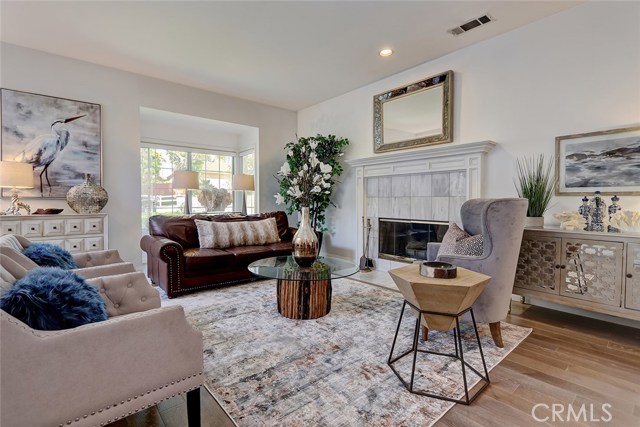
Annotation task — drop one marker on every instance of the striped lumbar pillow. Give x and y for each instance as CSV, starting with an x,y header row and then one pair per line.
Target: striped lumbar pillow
x,y
212,234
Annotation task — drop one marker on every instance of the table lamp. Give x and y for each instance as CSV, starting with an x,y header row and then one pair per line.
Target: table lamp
x,y
243,183
185,180
16,175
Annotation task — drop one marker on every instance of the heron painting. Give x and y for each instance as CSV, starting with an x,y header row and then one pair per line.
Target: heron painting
x,y
60,138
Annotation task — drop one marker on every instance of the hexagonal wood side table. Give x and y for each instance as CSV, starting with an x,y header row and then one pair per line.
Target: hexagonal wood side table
x,y
440,302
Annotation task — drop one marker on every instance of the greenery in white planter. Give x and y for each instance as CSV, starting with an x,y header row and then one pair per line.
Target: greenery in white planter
x,y
535,183
308,176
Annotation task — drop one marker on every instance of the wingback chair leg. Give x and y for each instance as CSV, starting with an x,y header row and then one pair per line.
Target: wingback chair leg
x,y
193,407
496,333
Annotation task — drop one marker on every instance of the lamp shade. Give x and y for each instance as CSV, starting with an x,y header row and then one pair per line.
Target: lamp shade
x,y
185,180
242,182
16,175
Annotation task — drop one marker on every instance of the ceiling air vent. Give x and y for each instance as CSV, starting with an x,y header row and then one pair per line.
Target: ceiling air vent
x,y
467,26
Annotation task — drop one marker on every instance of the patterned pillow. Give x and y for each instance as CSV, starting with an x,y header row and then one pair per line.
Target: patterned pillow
x,y
212,234
456,241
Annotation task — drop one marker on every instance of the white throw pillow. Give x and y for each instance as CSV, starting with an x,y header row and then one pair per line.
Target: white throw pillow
x,y
212,234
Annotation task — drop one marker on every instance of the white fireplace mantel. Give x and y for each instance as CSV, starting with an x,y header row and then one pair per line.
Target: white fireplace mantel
x,y
467,160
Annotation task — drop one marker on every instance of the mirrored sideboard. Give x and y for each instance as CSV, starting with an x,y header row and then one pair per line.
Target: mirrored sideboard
x,y
588,270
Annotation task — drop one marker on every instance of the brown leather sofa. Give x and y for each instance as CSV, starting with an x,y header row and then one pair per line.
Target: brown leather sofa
x,y
177,264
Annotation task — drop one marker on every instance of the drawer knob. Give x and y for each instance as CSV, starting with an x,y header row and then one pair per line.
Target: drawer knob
x,y
55,228
557,265
94,226
75,226
33,229
10,229
629,275
563,266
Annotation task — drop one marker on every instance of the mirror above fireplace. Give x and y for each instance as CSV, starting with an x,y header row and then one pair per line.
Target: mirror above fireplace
x,y
415,115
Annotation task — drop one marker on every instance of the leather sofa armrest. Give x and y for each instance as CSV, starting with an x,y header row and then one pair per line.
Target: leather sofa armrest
x,y
126,293
161,247
92,259
130,362
292,232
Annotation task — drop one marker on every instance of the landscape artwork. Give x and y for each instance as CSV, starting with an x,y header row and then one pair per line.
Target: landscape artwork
x,y
60,138
607,161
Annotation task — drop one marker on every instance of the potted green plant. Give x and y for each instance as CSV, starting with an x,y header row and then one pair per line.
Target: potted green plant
x,y
307,179
535,183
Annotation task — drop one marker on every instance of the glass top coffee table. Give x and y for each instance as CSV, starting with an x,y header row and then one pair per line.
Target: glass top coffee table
x,y
303,292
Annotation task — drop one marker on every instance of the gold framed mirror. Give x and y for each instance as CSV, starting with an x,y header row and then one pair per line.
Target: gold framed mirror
x,y
415,115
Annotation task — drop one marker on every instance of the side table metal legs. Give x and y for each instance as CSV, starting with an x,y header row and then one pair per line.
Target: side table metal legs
x,y
459,354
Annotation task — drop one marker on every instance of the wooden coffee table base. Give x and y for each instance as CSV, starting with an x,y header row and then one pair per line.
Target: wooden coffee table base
x,y
304,299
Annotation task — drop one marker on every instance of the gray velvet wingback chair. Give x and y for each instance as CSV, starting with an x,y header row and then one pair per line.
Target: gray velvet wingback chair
x,y
501,222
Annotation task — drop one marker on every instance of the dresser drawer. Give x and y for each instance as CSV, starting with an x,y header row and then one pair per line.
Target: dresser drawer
x,y
73,226
53,227
31,228
93,226
10,227
74,245
93,243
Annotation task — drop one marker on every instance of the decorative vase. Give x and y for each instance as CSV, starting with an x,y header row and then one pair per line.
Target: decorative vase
x,y
305,242
598,212
88,197
534,222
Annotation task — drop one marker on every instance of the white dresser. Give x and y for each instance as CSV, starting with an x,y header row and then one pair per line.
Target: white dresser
x,y
76,233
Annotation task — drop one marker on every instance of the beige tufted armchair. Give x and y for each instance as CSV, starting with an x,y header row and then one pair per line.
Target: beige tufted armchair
x,y
98,373
90,264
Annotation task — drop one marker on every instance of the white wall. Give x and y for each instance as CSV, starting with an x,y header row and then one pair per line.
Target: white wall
x,y
121,95
574,72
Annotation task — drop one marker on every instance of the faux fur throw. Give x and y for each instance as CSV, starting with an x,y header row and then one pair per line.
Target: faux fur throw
x,y
49,255
212,234
53,299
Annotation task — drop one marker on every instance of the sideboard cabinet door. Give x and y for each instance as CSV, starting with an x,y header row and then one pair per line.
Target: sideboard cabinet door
x,y
592,270
539,264
632,276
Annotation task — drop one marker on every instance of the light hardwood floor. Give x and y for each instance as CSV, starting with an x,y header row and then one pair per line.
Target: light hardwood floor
x,y
568,359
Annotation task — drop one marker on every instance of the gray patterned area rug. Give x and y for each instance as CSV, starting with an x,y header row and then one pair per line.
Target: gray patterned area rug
x,y
267,370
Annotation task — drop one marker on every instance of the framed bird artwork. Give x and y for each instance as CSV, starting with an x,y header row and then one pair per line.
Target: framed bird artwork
x,y
60,138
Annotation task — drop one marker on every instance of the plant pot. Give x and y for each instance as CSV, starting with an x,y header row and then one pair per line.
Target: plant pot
x,y
534,222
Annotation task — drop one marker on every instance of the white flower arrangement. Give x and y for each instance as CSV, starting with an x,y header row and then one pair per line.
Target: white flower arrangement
x,y
307,177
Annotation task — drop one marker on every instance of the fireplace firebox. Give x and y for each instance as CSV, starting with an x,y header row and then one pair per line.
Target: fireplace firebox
x,y
406,240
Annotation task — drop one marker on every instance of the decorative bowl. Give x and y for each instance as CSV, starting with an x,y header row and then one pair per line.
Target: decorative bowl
x,y
438,270
48,211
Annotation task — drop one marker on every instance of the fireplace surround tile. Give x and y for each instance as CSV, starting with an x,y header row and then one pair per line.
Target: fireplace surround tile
x,y
421,208
384,186
372,207
457,183
372,187
401,186
401,207
421,185
440,208
440,184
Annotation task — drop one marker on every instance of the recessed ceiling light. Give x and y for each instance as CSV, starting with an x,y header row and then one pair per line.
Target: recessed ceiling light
x,y
386,52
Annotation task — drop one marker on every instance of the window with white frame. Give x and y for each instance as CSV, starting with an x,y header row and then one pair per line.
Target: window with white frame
x,y
158,197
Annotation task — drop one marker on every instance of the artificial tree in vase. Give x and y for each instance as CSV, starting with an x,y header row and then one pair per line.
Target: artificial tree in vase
x,y
307,179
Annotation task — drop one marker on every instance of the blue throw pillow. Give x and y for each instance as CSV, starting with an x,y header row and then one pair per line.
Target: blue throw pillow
x,y
51,299
48,255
